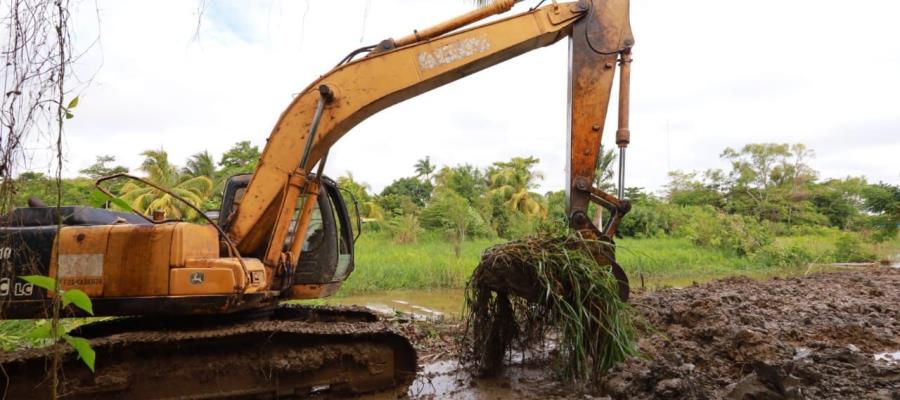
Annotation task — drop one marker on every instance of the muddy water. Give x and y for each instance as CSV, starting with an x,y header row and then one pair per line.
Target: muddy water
x,y
424,304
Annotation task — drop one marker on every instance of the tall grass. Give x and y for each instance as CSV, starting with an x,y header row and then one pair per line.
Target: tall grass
x,y
382,264
430,263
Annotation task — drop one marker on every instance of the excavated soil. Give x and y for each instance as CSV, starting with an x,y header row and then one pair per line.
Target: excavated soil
x,y
813,337
821,336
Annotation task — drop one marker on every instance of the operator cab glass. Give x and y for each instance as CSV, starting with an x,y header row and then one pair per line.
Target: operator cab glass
x,y
327,252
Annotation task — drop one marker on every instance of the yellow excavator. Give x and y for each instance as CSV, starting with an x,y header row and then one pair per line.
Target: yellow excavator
x,y
200,303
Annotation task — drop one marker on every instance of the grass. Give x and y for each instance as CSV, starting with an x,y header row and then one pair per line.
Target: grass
x,y
382,264
664,261
559,288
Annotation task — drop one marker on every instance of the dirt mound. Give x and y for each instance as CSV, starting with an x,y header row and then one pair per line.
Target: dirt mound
x,y
813,337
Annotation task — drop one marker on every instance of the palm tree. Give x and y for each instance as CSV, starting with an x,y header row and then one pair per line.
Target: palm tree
x,y
425,168
603,175
513,181
203,164
194,189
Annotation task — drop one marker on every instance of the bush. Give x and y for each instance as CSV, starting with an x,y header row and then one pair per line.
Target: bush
x,y
404,229
848,248
645,220
790,256
739,234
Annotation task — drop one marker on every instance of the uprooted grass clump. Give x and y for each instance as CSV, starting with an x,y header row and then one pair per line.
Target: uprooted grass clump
x,y
525,291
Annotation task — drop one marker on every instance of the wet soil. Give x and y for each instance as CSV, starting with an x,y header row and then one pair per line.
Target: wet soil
x,y
822,336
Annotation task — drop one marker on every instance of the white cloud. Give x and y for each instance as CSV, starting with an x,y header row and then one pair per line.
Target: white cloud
x,y
707,74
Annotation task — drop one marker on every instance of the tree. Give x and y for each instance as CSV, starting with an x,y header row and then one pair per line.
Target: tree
x,y
465,180
36,184
194,189
100,169
686,189
202,164
512,181
424,168
770,180
840,200
240,158
450,211
368,208
417,191
753,165
883,200
603,175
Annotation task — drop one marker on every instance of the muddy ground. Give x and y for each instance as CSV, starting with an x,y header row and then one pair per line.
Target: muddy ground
x,y
823,336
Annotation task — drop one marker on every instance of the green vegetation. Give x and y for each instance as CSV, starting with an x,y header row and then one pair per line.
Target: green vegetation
x,y
382,264
557,285
767,212
52,331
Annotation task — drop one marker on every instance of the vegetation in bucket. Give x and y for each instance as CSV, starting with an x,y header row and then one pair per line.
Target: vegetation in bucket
x,y
526,291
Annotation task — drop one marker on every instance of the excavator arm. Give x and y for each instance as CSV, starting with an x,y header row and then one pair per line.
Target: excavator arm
x,y
396,70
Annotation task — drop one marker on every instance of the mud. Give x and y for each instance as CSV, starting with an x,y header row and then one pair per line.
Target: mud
x,y
823,336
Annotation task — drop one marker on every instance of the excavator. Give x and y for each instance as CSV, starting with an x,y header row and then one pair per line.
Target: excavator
x,y
202,309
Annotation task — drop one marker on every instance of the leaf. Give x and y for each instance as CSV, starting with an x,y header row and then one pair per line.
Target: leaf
x,y
69,115
83,347
98,199
39,332
73,103
40,281
79,298
121,203
43,331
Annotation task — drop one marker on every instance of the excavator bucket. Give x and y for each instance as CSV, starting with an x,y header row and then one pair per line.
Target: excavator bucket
x,y
568,283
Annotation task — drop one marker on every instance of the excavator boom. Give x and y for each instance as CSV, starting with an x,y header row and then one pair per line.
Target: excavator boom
x,y
400,69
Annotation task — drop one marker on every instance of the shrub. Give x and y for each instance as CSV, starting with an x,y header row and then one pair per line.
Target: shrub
x,y
848,248
404,229
790,256
739,234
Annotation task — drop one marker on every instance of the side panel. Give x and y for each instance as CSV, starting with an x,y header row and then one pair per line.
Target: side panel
x,y
137,261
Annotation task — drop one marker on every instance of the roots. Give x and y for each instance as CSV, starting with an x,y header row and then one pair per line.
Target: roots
x,y
522,291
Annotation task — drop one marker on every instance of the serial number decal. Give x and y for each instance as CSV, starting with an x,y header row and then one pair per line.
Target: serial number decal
x,y
80,270
80,265
5,253
453,52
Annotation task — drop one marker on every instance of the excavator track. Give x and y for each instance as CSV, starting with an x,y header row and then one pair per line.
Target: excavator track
x,y
293,352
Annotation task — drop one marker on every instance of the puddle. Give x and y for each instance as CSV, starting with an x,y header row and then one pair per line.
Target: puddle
x,y
422,305
445,379
890,358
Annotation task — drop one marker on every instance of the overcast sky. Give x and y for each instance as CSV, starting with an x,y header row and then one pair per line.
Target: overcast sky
x,y
706,75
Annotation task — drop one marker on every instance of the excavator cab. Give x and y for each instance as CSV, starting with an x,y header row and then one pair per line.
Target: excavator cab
x,y
327,257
